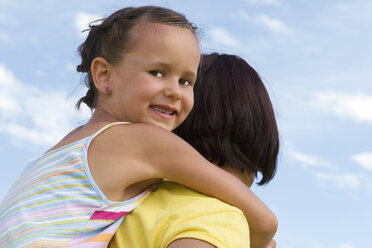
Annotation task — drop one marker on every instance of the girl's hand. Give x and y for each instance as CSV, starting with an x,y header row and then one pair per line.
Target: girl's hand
x,y
272,244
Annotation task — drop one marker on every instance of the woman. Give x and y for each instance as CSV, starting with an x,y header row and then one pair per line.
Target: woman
x,y
233,125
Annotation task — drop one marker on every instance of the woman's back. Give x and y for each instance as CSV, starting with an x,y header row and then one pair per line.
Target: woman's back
x,y
174,212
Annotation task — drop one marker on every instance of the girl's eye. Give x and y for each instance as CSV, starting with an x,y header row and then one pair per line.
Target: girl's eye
x,y
158,74
184,82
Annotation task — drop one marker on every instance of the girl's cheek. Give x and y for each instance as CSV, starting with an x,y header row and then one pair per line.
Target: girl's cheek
x,y
191,99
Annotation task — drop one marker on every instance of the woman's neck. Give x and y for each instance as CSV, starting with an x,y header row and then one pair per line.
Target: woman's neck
x,y
244,176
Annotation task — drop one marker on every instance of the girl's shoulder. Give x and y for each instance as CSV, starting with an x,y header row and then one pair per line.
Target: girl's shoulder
x,y
118,160
137,132
117,135
70,138
84,132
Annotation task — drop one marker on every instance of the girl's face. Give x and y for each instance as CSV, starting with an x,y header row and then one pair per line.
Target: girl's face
x,y
154,81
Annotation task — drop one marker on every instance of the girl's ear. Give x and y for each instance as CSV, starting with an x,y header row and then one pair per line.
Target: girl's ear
x,y
101,70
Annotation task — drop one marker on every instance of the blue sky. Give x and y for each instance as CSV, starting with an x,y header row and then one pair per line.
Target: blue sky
x,y
315,58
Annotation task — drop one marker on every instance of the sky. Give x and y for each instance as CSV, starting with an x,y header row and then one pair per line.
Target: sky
x,y
315,58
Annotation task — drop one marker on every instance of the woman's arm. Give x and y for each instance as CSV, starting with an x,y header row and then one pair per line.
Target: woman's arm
x,y
195,243
187,243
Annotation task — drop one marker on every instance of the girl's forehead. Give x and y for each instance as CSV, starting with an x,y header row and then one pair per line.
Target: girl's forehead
x,y
147,30
162,39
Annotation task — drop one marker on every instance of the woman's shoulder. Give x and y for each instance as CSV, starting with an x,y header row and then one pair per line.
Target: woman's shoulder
x,y
187,198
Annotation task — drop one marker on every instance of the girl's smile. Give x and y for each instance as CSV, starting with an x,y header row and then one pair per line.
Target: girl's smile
x,y
165,111
154,81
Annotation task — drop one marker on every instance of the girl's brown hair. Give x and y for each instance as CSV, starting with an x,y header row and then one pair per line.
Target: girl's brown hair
x,y
112,38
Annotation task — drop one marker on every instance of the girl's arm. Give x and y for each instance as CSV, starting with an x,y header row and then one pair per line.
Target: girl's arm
x,y
176,160
153,152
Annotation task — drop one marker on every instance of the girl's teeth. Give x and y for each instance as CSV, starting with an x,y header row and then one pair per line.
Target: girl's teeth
x,y
163,111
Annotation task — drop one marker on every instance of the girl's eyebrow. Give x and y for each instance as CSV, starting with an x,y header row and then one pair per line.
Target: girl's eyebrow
x,y
190,75
162,64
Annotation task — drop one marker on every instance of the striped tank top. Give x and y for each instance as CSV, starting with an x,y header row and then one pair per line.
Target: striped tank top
x,y
56,203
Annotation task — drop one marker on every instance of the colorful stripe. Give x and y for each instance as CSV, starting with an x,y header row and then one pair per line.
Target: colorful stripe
x,y
56,203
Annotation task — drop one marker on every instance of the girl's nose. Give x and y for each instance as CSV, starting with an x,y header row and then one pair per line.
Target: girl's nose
x,y
173,90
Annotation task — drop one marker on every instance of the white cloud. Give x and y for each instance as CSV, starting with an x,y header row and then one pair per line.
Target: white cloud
x,y
274,25
9,19
222,36
40,73
4,37
328,174
35,40
309,160
343,180
82,20
266,2
345,246
244,15
70,67
35,116
357,107
364,159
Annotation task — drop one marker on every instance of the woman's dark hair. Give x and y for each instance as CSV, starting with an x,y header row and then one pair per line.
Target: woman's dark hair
x,y
232,122
112,38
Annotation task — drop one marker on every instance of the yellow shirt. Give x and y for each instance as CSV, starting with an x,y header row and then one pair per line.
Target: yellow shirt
x,y
173,212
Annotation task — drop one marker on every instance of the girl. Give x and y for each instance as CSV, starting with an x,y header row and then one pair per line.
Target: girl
x,y
141,65
245,143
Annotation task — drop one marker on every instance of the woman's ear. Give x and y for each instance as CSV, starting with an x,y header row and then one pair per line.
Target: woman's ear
x,y
101,70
